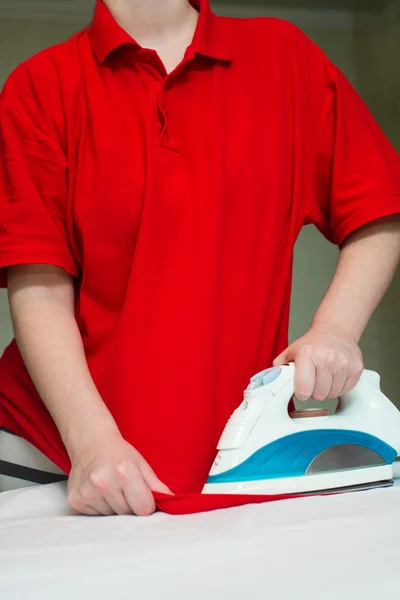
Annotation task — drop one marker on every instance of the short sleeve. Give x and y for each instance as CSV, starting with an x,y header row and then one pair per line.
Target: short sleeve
x,y
356,170
33,179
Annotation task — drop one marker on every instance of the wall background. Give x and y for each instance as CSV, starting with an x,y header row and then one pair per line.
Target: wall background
x,y
367,49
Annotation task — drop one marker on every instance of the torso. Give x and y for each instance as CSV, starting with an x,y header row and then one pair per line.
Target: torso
x,y
185,198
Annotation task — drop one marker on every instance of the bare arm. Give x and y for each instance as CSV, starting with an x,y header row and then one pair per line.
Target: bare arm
x,y
328,359
42,309
108,475
367,264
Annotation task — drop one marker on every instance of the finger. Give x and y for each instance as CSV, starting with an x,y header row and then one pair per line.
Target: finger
x,y
94,498
89,511
304,376
102,506
116,499
136,492
282,359
152,480
323,383
356,372
109,494
139,497
81,507
338,382
349,385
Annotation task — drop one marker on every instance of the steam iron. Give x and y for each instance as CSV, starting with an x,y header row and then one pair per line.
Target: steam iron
x,y
264,450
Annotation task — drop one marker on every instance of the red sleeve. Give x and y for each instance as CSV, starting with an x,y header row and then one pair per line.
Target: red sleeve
x,y
33,169
356,176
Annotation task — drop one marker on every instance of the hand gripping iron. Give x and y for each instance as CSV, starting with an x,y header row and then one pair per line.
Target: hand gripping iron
x,y
264,450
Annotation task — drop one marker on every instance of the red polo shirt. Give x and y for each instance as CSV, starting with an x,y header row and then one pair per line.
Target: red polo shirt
x,y
175,203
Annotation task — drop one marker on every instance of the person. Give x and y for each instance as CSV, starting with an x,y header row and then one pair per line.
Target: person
x,y
156,170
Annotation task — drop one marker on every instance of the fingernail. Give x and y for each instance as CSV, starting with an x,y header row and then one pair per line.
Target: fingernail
x,y
302,397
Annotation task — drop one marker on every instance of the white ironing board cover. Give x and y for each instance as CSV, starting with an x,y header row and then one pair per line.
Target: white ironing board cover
x,y
332,548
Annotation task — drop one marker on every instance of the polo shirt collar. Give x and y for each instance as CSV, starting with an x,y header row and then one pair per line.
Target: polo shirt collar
x,y
210,38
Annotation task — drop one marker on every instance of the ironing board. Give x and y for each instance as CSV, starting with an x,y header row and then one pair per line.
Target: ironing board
x,y
344,546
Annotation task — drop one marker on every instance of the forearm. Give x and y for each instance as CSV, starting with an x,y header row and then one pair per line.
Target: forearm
x,y
42,309
367,264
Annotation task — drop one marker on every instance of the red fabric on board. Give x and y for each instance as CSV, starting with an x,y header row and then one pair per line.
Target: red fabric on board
x,y
186,504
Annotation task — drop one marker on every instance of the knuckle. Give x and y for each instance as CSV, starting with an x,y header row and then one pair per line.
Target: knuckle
x,y
306,350
322,357
330,357
98,480
122,467
342,362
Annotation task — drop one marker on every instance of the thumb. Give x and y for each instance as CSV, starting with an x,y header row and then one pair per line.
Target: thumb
x,y
152,480
283,358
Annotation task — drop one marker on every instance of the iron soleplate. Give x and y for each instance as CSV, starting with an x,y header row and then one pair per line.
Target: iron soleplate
x,y
351,488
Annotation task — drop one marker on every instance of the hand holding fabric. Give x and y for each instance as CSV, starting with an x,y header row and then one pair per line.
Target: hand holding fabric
x,y
110,477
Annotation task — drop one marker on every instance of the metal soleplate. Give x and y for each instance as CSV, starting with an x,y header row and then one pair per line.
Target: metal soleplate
x,y
344,457
352,488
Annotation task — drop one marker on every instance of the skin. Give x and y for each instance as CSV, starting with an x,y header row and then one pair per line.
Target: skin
x,y
328,358
108,475
166,26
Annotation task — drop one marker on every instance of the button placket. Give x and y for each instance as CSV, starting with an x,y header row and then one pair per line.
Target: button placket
x,y
162,116
162,113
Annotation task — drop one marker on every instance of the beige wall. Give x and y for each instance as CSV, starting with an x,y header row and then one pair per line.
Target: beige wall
x,y
315,259
378,68
21,39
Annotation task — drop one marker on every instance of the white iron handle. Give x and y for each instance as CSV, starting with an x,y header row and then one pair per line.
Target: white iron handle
x,y
365,396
